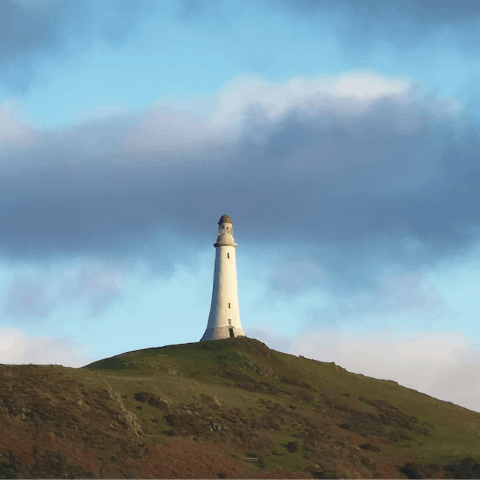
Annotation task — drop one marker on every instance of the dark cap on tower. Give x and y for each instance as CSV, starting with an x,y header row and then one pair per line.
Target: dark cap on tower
x,y
225,219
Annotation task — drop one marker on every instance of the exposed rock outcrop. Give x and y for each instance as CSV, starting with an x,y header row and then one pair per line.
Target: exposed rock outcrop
x,y
127,419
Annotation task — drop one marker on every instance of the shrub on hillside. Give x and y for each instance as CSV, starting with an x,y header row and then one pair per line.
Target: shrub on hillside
x,y
294,446
151,399
184,424
433,470
297,381
467,468
369,446
390,415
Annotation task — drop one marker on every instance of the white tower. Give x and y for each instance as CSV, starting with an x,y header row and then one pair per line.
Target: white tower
x,y
224,318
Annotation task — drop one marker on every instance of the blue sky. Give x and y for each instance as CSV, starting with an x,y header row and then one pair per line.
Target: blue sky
x,y
341,137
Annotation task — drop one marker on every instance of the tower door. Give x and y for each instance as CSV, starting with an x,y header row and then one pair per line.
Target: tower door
x,y
231,332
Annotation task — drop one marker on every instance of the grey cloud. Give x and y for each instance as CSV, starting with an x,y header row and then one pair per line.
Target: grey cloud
x,y
26,299
22,29
406,291
433,10
290,277
99,284
401,21
33,297
346,191
403,295
427,10
33,32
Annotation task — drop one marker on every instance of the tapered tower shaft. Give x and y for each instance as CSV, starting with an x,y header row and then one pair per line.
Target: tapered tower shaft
x,y
224,318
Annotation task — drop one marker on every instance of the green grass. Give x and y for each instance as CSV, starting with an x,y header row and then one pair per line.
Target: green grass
x,y
241,372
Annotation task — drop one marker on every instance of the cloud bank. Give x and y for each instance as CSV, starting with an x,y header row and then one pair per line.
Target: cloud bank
x,y
442,365
353,167
20,349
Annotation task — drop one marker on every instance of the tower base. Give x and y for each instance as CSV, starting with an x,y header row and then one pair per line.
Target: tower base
x,y
219,333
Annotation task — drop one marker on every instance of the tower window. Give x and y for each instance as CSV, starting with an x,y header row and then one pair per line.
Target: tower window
x,y
228,255
229,322
231,332
228,305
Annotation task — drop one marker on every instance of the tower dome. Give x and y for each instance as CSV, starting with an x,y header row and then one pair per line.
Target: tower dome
x,y
225,219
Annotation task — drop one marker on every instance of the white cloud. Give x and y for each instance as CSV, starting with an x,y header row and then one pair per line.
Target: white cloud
x,y
442,365
366,86
348,97
16,348
14,126
313,96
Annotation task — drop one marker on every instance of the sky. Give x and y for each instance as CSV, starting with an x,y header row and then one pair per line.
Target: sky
x,y
341,136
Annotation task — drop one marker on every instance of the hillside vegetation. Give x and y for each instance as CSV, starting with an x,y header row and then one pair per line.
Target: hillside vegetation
x,y
225,409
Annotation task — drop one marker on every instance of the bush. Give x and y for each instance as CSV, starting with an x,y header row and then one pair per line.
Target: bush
x,y
467,468
151,399
369,446
294,446
183,424
411,470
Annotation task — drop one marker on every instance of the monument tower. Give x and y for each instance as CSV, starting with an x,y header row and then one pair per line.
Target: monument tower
x,y
224,318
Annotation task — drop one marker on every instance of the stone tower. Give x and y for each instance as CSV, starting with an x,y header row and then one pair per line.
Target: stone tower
x,y
224,318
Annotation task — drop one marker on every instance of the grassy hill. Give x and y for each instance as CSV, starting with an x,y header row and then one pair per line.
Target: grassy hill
x,y
225,409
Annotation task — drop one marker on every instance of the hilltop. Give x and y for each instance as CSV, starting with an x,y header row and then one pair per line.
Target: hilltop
x,y
230,408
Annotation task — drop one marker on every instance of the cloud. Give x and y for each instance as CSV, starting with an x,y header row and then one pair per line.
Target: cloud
x,y
406,291
361,171
35,296
420,10
363,26
26,298
428,362
292,276
22,28
36,31
96,283
362,23
16,348
14,127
